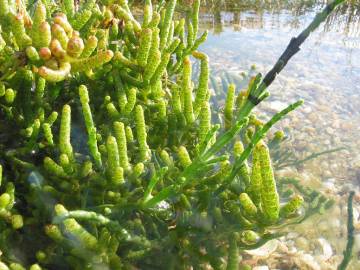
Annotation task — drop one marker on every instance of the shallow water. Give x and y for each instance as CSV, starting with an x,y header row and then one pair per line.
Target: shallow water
x,y
325,73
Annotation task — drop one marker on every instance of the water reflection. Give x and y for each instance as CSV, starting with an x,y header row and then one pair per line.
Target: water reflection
x,y
218,14
346,19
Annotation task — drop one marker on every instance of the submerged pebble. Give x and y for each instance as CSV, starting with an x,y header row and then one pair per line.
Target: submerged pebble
x,y
264,251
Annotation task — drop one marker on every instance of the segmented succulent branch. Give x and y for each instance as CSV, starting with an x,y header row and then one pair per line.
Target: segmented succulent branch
x,y
135,168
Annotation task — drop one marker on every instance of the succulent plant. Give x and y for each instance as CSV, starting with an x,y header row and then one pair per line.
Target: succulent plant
x,y
157,184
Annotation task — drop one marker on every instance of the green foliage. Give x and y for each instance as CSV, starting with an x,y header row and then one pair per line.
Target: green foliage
x,y
135,169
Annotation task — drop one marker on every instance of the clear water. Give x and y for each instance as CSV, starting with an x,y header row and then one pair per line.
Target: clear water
x,y
325,73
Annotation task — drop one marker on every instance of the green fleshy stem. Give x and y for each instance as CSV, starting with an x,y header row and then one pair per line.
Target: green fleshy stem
x,y
195,17
104,40
166,24
55,75
86,169
117,176
52,118
180,29
270,204
176,101
82,236
82,215
244,171
145,44
184,157
53,168
4,200
170,38
229,106
44,33
131,101
166,158
90,126
187,91
40,90
59,33
65,130
119,130
34,134
138,169
68,7
2,43
196,44
53,231
161,104
16,266
35,267
4,9
202,89
129,134
92,62
291,206
17,222
204,121
113,161
18,29
65,164
141,133
223,140
48,133
122,13
112,111
120,60
233,254
256,138
249,237
155,20
80,19
130,34
148,13
161,68
157,91
10,95
32,54
190,34
254,189
2,89
247,204
154,57
90,46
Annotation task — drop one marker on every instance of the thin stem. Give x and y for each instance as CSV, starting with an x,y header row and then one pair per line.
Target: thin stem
x,y
350,234
294,45
292,48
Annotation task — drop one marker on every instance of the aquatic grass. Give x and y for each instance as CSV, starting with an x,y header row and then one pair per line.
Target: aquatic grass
x,y
350,234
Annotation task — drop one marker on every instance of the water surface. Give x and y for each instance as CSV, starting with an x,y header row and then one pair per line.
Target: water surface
x,y
325,73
